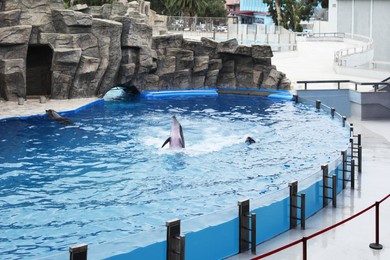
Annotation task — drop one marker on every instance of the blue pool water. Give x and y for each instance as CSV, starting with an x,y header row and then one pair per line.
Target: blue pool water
x,y
106,177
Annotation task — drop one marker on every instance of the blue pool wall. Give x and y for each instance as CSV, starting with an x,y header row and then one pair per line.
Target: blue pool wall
x,y
220,241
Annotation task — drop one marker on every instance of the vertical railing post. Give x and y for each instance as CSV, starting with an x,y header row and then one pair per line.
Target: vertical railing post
x,y
294,206
293,203
78,252
360,159
304,248
334,190
253,233
318,104
344,156
353,174
175,242
325,185
295,98
243,235
376,245
352,147
344,120
303,210
244,240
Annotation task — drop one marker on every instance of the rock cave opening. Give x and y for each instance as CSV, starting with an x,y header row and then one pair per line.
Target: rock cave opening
x,y
38,70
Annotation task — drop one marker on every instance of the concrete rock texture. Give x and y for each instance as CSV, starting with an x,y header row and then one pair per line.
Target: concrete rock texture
x,y
85,51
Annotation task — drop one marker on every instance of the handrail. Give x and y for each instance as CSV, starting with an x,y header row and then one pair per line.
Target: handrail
x,y
375,85
329,34
386,79
304,239
367,46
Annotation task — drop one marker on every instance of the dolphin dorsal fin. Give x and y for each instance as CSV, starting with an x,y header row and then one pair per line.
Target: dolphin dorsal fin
x,y
166,141
182,137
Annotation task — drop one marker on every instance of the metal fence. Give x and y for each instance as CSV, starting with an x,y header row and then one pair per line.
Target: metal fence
x,y
356,56
225,28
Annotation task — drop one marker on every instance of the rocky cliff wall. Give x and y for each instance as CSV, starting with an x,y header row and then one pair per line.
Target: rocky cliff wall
x,y
93,49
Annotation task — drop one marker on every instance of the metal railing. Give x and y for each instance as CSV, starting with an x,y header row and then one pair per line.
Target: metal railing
x,y
375,85
226,28
340,56
376,245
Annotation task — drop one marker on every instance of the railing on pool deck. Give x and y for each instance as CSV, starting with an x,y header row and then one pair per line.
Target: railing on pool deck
x,y
226,233
375,85
376,245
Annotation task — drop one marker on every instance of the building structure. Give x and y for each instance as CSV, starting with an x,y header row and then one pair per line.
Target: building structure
x,y
249,11
232,6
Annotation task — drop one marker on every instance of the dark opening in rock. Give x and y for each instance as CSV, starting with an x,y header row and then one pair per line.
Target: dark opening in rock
x,y
38,74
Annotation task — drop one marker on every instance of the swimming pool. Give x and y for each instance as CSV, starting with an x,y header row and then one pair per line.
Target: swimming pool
x,y
106,177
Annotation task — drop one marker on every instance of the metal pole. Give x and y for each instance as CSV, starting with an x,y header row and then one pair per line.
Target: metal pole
x,y
182,247
318,104
360,159
351,143
353,174
293,203
295,98
325,185
304,248
253,233
303,210
344,156
376,245
174,243
243,219
334,190
78,252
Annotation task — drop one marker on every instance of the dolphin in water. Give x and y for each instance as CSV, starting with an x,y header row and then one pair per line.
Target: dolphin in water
x,y
176,138
54,115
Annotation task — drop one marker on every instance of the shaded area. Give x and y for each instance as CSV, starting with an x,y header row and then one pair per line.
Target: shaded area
x,y
38,74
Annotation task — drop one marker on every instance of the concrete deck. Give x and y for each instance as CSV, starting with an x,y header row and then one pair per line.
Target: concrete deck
x,y
34,107
314,60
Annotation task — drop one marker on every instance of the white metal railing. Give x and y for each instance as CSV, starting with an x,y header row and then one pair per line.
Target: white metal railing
x,y
365,51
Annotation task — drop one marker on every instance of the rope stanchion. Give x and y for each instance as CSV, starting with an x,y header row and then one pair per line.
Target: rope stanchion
x,y
376,245
305,239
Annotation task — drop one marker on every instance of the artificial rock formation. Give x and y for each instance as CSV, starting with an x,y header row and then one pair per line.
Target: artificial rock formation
x,y
85,51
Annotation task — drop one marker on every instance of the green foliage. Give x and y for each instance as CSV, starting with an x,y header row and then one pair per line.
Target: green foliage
x,y
202,8
292,12
159,6
187,7
214,8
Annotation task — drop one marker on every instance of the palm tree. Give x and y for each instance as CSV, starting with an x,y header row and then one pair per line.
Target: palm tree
x,y
188,7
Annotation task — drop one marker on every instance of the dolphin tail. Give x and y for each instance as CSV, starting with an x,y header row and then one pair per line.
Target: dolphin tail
x,y
166,141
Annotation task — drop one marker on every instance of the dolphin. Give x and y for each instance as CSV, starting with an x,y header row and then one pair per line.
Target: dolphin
x,y
54,115
176,138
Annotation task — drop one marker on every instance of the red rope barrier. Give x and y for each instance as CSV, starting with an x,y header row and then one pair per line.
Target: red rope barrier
x,y
319,232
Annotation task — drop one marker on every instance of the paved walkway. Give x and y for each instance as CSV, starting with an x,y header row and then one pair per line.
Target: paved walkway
x,y
314,60
34,107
